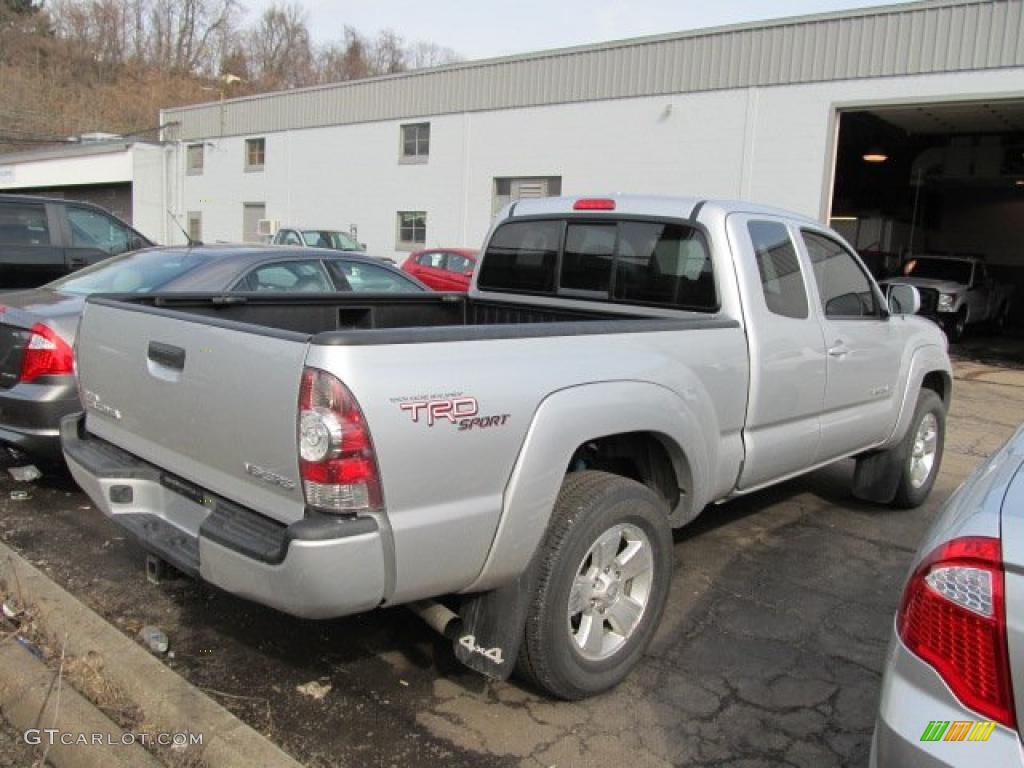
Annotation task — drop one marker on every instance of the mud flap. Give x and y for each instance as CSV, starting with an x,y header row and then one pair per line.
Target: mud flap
x,y
877,476
492,628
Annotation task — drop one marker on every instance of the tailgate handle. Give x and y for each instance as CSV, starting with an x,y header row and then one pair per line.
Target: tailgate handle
x,y
167,355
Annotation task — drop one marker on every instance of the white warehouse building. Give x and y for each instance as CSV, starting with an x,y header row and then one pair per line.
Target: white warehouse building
x,y
903,124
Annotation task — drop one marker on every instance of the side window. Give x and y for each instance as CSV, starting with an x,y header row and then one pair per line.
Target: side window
x,y
844,287
23,224
290,237
779,267
431,259
91,229
667,264
587,259
287,277
521,256
457,263
367,278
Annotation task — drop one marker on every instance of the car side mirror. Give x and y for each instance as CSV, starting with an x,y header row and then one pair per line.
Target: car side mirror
x,y
904,300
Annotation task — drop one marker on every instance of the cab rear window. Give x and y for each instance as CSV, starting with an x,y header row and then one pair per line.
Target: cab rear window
x,y
632,262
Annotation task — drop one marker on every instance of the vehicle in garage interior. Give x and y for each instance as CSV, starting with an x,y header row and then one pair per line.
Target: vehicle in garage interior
x,y
37,327
955,668
956,291
43,238
618,365
443,269
938,180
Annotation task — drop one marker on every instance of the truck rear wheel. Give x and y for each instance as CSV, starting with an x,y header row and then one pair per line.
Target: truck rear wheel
x,y
922,451
604,570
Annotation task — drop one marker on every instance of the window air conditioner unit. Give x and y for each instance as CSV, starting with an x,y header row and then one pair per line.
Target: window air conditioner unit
x,y
267,227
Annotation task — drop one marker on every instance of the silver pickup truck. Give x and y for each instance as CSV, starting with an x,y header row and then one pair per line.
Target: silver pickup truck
x,y
510,462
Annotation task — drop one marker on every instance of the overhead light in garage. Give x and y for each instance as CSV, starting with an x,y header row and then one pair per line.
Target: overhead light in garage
x,y
875,155
1020,182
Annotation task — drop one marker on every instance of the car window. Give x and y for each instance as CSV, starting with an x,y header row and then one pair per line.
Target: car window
x,y
23,224
135,272
657,263
460,264
431,259
369,278
664,264
92,229
588,256
287,277
781,279
521,256
844,288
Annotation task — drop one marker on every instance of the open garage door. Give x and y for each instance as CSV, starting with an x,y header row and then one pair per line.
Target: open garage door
x,y
943,181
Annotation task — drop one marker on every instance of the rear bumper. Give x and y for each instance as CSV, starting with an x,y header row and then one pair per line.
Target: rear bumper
x,y
30,416
913,695
320,567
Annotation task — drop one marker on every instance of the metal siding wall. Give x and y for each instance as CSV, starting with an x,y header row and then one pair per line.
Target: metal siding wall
x,y
937,37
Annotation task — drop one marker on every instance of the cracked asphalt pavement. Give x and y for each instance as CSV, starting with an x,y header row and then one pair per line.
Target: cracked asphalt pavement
x,y
770,652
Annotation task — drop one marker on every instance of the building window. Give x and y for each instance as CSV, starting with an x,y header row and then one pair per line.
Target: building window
x,y
255,154
511,189
194,159
415,143
195,226
412,230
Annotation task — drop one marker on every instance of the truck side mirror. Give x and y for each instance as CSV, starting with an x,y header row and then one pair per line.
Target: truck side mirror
x,y
904,300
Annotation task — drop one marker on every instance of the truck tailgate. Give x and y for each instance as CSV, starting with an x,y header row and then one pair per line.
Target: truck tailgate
x,y
214,404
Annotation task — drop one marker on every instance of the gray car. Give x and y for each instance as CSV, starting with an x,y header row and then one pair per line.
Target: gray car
x,y
38,326
954,676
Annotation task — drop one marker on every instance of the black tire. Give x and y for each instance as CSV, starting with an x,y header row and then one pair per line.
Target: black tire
x,y
909,494
957,327
589,505
1001,319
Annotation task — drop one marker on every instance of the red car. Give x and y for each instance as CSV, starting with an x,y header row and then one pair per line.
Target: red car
x,y
443,269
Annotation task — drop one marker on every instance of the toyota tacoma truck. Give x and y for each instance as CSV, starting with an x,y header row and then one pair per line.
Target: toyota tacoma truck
x,y
956,291
508,462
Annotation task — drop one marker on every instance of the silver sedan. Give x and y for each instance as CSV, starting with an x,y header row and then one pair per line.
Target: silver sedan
x,y
954,676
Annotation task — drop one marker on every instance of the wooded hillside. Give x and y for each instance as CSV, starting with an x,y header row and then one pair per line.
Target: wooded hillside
x,y
69,67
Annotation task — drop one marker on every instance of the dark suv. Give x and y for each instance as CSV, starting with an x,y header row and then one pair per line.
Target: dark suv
x,y
42,238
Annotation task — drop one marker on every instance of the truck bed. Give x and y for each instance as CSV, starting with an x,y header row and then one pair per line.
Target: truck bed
x,y
330,319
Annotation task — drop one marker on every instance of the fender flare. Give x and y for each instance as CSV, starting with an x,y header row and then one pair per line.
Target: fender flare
x,y
569,418
927,359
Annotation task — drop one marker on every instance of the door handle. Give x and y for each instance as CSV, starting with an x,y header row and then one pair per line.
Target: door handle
x,y
166,355
839,349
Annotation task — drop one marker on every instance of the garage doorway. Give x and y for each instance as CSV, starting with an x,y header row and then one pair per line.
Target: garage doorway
x,y
935,180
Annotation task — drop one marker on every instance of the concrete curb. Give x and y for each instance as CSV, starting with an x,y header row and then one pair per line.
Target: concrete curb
x,y
170,703
28,699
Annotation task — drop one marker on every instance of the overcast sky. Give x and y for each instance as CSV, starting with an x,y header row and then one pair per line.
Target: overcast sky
x,y
479,29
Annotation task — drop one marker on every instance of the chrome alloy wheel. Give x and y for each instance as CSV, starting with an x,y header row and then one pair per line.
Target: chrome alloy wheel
x,y
922,453
610,592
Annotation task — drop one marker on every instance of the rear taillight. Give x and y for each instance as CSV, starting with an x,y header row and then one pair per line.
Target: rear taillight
x,y
336,458
953,616
46,354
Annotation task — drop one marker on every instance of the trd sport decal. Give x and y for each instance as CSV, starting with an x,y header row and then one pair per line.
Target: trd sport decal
x,y
458,410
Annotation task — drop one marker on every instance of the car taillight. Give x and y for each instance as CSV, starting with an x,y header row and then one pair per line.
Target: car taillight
x,y
953,616
46,354
336,458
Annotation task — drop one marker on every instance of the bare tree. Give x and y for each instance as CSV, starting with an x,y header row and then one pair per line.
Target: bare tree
x,y
421,54
387,53
187,35
280,52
